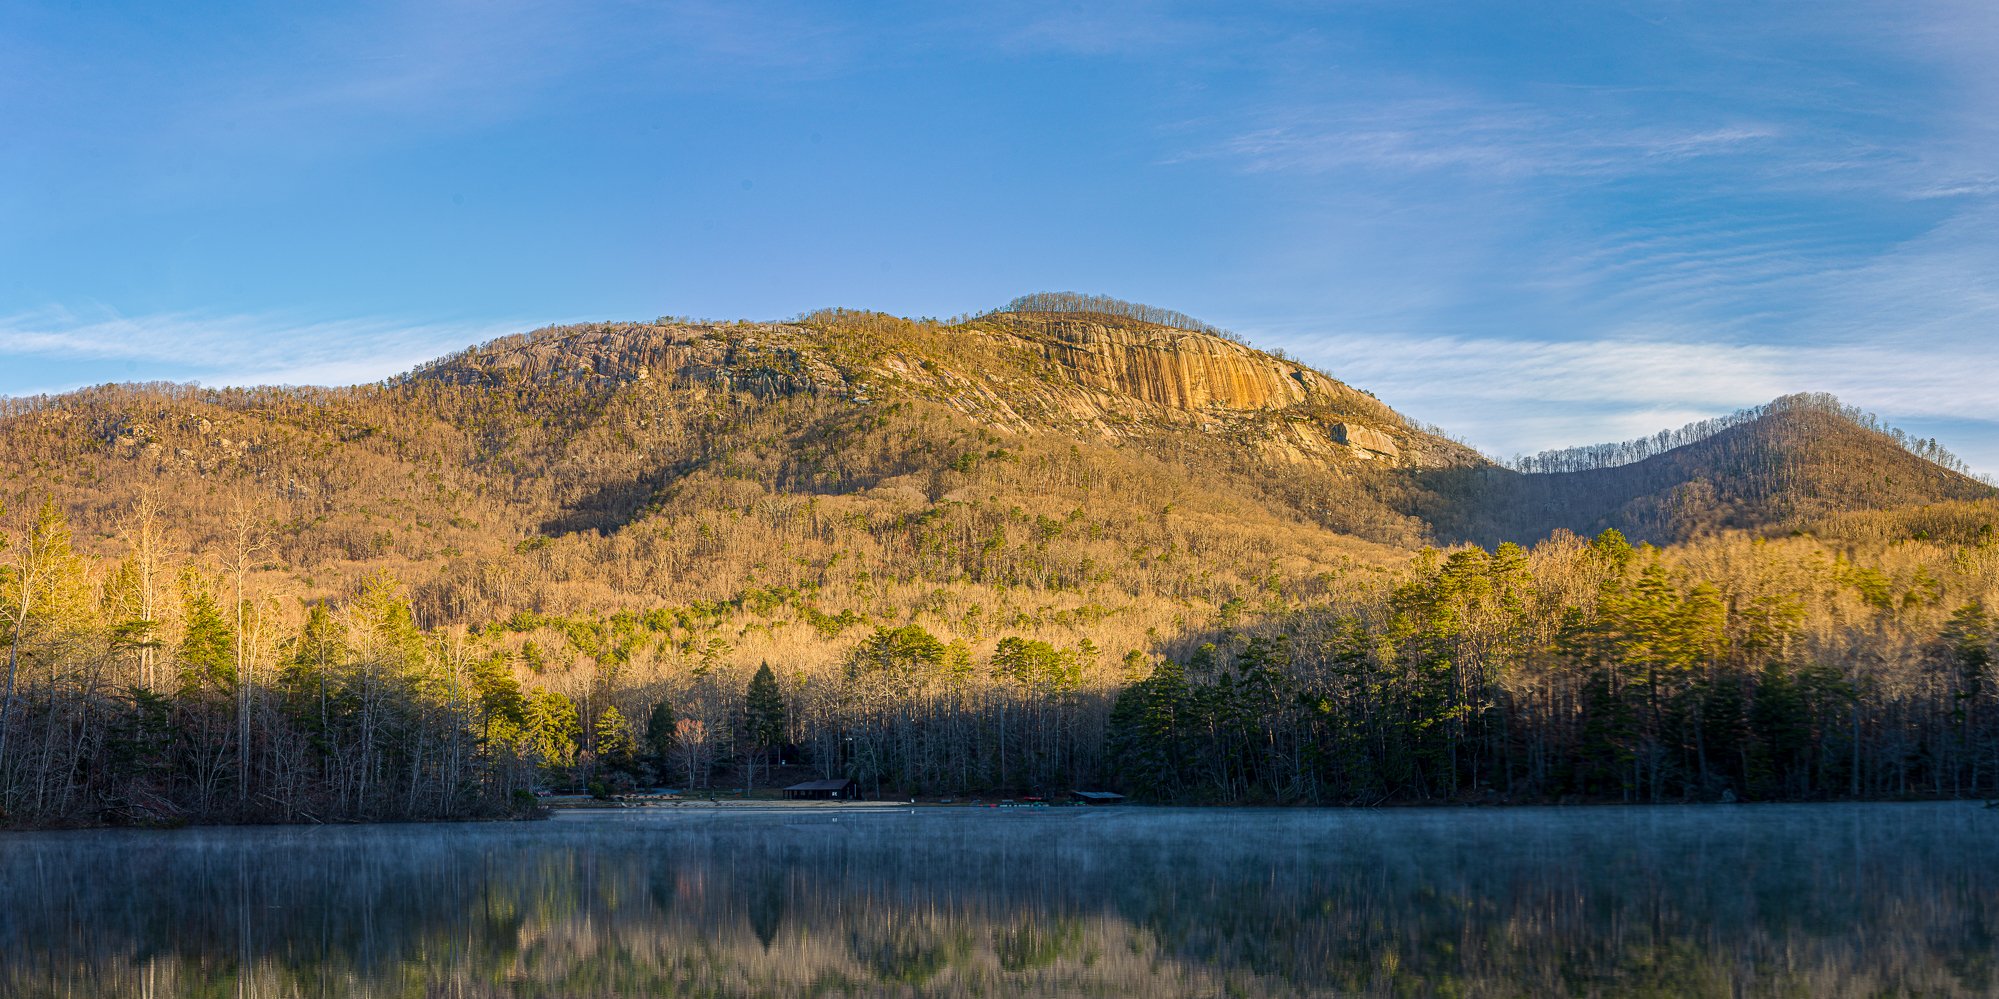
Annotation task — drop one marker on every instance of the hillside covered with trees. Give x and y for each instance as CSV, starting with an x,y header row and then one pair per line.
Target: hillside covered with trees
x,y
1771,469
1065,544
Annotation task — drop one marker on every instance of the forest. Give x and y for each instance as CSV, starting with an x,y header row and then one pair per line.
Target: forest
x,y
144,689
1019,553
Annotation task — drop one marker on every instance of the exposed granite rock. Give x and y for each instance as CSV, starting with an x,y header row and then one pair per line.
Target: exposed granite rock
x,y
1116,380
1366,441
1126,379
1175,369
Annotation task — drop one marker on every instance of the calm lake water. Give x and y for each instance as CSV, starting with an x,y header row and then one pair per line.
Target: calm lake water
x,y
1746,900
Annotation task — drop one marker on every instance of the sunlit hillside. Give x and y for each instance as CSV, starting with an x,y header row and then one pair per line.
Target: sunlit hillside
x,y
1072,540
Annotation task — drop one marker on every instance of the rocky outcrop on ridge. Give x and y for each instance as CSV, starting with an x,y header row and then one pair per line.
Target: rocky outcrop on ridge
x,y
1106,377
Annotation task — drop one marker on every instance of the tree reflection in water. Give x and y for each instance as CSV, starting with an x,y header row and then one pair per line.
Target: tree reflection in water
x,y
1819,900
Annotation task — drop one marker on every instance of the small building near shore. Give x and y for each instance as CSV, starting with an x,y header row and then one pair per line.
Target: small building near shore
x,y
837,789
1098,797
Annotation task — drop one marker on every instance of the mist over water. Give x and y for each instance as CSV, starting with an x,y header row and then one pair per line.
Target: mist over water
x,y
1813,899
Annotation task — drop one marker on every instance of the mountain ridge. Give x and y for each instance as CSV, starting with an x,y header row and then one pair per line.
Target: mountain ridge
x,y
1770,468
1016,371
593,426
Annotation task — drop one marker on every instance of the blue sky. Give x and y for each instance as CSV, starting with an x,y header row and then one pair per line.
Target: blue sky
x,y
1535,224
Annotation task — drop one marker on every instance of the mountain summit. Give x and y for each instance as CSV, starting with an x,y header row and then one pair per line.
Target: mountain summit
x,y
1090,374
1770,468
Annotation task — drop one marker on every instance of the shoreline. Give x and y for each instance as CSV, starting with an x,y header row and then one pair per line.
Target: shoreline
x,y
548,810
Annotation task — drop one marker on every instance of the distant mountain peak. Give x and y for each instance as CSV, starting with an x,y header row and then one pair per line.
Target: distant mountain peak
x,y
1767,468
1589,457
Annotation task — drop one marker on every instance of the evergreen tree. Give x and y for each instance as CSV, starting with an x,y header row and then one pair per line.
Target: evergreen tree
x,y
1034,664
502,706
309,681
661,724
552,729
207,646
615,748
1148,725
763,719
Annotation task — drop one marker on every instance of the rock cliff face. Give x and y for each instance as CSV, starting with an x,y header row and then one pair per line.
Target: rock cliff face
x,y
1104,377
1366,441
1175,368
1123,376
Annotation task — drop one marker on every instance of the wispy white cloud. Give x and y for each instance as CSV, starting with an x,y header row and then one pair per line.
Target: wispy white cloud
x,y
1933,290
1523,395
229,350
1462,133
1766,167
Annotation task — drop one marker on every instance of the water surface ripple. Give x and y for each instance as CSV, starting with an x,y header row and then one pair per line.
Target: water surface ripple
x,y
1818,900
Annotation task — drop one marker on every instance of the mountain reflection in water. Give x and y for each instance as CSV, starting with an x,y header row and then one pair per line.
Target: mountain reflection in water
x,y
1814,900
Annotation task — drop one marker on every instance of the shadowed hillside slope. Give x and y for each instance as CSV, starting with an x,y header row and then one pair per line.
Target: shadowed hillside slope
x,y
1776,468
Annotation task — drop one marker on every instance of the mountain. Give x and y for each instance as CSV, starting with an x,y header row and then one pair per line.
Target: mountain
x,y
855,462
626,464
1774,468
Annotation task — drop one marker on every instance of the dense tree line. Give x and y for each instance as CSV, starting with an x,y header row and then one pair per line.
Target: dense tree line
x,y
1105,305
151,687
116,707
1590,671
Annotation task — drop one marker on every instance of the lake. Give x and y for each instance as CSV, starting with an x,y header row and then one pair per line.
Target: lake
x,y
1122,901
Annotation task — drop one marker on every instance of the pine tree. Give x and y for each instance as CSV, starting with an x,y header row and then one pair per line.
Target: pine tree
x,y
1969,639
763,719
614,739
552,728
308,681
207,647
660,726
502,706
398,642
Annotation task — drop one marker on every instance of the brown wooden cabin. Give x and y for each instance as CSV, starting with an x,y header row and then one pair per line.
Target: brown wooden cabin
x,y
836,789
